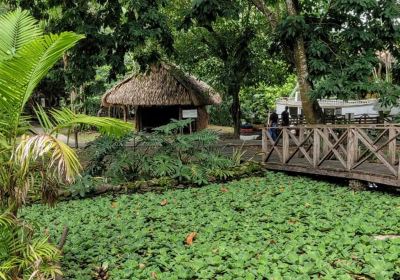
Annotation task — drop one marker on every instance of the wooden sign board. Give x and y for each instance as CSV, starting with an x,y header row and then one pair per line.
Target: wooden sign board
x,y
189,114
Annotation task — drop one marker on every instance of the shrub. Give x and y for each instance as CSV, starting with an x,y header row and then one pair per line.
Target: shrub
x,y
188,158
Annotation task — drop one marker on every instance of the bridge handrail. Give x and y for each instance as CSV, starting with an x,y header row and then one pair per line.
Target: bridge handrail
x,y
350,145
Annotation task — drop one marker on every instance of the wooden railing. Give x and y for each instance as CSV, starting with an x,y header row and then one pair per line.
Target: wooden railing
x,y
342,119
372,150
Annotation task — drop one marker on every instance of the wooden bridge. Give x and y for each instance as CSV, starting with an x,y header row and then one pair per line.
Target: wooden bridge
x,y
360,152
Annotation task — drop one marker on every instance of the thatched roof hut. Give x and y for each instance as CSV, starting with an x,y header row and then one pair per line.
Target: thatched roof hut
x,y
162,94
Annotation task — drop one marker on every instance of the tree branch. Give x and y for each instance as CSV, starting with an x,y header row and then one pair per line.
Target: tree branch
x,y
271,16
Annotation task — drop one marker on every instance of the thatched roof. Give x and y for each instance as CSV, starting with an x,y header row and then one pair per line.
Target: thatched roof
x,y
164,85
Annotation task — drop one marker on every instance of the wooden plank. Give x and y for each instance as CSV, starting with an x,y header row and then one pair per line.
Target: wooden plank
x,y
316,148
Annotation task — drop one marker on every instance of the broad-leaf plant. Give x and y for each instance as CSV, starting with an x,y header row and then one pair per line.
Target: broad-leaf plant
x,y
33,161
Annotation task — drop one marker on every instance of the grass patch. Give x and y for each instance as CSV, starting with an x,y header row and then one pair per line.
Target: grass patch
x,y
277,227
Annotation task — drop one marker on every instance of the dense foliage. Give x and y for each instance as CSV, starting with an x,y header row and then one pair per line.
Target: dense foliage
x,y
342,39
228,46
114,30
278,227
187,158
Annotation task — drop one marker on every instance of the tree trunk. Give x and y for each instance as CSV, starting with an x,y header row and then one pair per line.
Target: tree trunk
x,y
235,110
76,138
311,108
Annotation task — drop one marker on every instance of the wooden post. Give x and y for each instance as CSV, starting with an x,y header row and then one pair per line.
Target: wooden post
x,y
316,147
285,145
301,139
125,113
325,146
264,142
76,138
352,147
180,118
392,145
138,119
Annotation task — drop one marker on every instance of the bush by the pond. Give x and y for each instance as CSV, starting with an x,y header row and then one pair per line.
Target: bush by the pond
x,y
187,158
277,227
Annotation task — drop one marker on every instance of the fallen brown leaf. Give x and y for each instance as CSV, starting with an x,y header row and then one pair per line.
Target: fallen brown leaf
x,y
224,190
164,202
190,238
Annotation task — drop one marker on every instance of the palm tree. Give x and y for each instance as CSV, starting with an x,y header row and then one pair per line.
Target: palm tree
x,y
33,162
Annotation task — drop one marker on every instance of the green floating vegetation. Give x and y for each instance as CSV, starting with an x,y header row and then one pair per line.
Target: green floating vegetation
x,y
276,227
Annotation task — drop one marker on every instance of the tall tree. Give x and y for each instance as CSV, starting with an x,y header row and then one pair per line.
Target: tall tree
x,y
311,108
224,32
333,45
296,53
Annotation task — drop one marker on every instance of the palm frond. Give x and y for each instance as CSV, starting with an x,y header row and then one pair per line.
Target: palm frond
x,y
62,160
16,29
65,118
19,76
6,219
44,119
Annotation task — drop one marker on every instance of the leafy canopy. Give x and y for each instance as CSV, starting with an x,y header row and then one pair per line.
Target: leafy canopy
x,y
342,40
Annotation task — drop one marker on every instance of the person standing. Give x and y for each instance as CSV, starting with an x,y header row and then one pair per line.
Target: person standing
x,y
285,117
273,123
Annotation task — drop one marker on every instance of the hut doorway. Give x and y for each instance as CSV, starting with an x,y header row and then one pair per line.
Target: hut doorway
x,y
155,116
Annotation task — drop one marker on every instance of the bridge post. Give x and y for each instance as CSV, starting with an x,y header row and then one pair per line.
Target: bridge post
x,y
316,147
325,146
398,171
352,147
301,139
392,145
264,143
285,145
